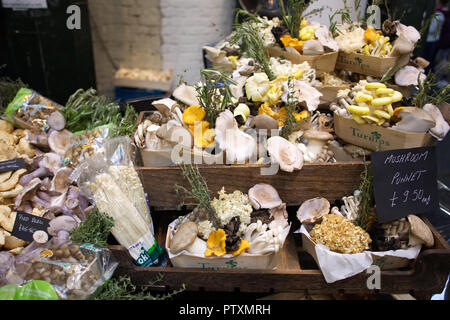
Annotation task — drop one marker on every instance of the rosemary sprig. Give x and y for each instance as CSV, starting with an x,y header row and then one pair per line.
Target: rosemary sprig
x,y
247,36
294,12
427,93
122,288
366,217
214,93
95,229
199,191
291,105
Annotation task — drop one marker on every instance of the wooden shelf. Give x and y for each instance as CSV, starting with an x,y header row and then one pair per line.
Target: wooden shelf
x,y
296,272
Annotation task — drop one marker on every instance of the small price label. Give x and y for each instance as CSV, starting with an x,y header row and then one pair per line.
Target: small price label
x,y
405,182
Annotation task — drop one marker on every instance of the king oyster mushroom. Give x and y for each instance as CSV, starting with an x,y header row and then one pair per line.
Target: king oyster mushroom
x,y
414,120
264,196
312,210
420,233
285,153
186,94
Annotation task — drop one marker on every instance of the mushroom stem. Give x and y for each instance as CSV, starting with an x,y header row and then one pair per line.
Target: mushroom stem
x,y
39,173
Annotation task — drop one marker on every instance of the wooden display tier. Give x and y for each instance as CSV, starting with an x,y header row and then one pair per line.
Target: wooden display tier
x,y
296,271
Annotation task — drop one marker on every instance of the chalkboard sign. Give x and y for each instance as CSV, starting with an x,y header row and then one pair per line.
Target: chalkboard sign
x,y
405,182
12,165
27,224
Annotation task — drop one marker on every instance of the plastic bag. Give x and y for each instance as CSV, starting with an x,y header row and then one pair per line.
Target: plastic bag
x,y
83,144
73,271
30,110
111,182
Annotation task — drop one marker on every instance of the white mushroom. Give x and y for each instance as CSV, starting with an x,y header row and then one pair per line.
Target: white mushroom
x,y
302,92
325,37
312,48
312,210
264,196
441,129
414,120
285,153
239,146
408,76
186,94
409,32
164,105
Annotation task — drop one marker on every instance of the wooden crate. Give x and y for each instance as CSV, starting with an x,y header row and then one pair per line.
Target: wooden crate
x,y
424,277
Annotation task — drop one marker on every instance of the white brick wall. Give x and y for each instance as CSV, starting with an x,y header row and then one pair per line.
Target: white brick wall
x,y
187,25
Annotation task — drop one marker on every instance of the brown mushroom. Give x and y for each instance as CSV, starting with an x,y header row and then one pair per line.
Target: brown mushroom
x,y
56,121
183,237
264,121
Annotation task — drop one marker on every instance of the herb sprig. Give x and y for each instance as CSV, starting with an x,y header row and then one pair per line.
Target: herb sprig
x,y
428,94
199,191
214,93
292,102
95,229
366,216
122,288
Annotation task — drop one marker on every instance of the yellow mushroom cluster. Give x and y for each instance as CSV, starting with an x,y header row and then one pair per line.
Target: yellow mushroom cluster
x,y
376,44
194,117
373,103
306,33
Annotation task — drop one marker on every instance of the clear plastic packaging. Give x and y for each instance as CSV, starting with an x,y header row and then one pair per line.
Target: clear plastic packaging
x,y
83,144
30,110
74,271
111,182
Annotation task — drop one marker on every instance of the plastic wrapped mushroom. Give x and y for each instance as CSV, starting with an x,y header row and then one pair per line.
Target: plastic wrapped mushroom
x,y
264,196
285,153
312,210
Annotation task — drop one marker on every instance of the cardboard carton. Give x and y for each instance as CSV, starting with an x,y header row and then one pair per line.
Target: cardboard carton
x,y
367,65
325,62
378,138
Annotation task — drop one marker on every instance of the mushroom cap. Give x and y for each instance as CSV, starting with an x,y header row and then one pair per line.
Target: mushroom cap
x,y
66,223
183,237
264,121
442,127
52,161
28,191
186,94
421,62
61,181
420,230
303,92
179,134
164,105
285,153
59,141
264,196
318,135
325,37
414,120
408,75
312,48
313,210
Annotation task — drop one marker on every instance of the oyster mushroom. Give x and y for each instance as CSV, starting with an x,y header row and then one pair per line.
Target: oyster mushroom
x,y
279,215
303,92
285,153
402,46
312,210
186,94
264,196
61,182
61,223
420,233
52,162
414,120
239,146
59,141
409,32
323,35
316,142
56,121
180,135
408,76
312,48
28,192
441,129
183,237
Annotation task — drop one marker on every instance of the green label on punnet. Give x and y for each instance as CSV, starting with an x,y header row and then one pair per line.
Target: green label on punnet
x,y
33,290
